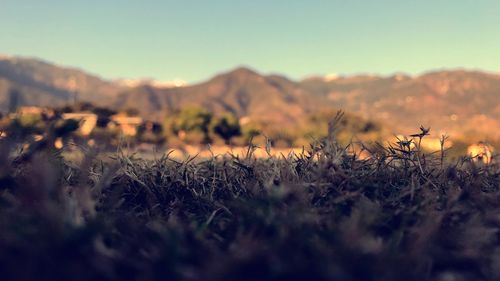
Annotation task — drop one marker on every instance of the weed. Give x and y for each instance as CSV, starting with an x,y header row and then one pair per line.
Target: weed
x,y
324,214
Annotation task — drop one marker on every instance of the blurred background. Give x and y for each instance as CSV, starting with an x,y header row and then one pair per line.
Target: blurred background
x,y
184,74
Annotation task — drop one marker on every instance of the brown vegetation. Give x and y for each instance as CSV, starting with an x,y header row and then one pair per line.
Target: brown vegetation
x,y
323,214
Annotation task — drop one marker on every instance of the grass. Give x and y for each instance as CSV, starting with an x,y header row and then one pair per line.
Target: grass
x,y
323,214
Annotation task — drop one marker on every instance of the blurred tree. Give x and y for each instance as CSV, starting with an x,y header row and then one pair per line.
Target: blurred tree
x,y
249,134
192,120
150,132
226,127
351,126
30,120
63,128
103,116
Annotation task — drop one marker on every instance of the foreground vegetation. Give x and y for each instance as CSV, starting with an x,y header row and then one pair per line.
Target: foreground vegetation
x,y
321,215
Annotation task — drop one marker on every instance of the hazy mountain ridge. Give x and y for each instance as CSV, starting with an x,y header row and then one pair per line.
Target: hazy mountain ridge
x,y
59,84
457,102
242,92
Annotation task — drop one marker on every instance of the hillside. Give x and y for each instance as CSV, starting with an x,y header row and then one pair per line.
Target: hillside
x,y
457,102
242,92
28,81
454,102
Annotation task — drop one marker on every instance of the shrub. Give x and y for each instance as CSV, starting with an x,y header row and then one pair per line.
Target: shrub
x,y
324,214
226,127
192,120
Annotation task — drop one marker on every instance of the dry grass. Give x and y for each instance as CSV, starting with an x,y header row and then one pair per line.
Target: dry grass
x,y
323,214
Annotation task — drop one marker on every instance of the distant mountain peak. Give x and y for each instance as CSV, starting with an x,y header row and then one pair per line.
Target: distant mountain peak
x,y
242,70
5,57
151,82
331,77
238,74
434,98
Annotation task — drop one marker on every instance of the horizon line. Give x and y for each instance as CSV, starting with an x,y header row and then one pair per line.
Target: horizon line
x,y
338,75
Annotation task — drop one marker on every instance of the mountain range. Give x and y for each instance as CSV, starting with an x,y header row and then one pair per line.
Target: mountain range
x,y
456,102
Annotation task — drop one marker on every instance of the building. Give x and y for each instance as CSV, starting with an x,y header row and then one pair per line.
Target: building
x,y
128,125
88,121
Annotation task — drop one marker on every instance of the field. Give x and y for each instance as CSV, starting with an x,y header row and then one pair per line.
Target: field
x,y
321,214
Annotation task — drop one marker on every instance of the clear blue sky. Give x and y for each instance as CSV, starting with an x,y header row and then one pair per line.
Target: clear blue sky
x,y
193,40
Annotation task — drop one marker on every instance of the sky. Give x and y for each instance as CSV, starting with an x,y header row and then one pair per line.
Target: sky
x,y
193,40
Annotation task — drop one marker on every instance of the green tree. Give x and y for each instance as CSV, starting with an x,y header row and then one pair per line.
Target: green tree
x,y
193,120
150,132
227,127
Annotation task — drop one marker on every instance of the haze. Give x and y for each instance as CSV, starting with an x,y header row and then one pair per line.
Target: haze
x,y
192,40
